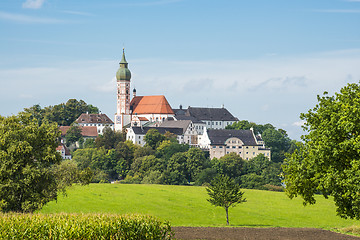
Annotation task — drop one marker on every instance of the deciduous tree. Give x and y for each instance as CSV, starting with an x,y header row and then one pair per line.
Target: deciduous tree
x,y
27,153
329,160
225,193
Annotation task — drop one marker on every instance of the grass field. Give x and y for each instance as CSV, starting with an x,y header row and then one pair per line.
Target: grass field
x,y
187,206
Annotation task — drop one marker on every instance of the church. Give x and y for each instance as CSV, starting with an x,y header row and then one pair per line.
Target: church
x,y
196,126
140,109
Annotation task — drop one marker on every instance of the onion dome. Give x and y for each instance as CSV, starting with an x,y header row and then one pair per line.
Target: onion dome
x,y
123,73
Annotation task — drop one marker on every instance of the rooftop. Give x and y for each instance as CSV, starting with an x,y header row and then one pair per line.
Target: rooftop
x,y
150,104
210,114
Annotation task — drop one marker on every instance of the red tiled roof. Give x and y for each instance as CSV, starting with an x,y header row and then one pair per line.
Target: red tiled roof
x,y
143,119
86,131
151,104
61,147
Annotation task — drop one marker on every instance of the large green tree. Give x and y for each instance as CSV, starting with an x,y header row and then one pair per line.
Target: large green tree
x,y
153,138
27,154
64,113
225,193
329,160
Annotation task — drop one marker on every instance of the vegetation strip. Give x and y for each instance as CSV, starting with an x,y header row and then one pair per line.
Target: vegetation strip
x,y
82,226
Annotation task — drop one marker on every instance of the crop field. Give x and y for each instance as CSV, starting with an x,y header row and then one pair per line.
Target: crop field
x,y
187,206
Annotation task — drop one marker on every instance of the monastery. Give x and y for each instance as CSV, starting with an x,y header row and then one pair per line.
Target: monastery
x,y
196,126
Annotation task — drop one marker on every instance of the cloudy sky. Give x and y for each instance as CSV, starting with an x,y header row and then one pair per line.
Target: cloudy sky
x,y
264,60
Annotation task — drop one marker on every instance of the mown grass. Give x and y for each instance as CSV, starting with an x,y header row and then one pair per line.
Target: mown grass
x,y
187,206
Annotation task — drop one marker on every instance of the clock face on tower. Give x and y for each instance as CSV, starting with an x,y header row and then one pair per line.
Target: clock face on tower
x,y
118,119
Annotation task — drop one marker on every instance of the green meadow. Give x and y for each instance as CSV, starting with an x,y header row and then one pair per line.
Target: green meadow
x,y
187,206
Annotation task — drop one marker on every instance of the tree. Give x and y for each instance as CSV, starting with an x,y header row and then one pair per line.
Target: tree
x,y
64,113
73,135
230,164
67,173
195,163
329,160
27,153
224,192
153,138
278,141
109,139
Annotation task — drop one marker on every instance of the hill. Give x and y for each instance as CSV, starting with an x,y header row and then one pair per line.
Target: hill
x,y
187,206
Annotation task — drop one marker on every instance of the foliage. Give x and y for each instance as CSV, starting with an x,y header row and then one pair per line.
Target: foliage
x,y
329,160
230,165
279,143
246,125
109,139
67,173
64,114
259,171
153,138
83,226
27,152
225,193
168,148
195,163
73,135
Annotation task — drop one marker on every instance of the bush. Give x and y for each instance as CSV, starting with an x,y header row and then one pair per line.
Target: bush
x,y
82,226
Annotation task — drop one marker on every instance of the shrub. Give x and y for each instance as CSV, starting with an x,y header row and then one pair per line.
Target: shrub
x,y
82,226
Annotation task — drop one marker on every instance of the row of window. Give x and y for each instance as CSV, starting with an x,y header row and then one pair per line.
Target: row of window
x,y
96,125
217,123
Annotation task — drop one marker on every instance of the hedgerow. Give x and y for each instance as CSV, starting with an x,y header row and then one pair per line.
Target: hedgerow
x,y
82,226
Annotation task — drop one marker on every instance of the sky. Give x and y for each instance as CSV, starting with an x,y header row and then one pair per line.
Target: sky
x,y
264,60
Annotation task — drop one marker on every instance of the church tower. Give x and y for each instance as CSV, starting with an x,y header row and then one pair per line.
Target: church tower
x,y
123,76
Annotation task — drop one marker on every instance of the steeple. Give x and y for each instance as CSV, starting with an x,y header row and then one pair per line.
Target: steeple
x,y
123,72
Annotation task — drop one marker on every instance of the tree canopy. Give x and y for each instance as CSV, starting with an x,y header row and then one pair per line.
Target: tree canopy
x,y
27,153
225,193
64,113
329,160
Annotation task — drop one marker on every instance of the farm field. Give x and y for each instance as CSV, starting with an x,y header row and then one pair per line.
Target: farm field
x,y
187,206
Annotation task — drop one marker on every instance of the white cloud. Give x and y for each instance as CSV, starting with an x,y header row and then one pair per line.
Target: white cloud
x,y
33,4
20,18
299,123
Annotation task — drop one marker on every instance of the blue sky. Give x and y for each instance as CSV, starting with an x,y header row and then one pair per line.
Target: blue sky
x,y
265,60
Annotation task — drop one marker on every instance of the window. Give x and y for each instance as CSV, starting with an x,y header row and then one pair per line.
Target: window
x,y
247,147
216,123
220,146
227,147
247,152
234,147
253,153
219,123
239,152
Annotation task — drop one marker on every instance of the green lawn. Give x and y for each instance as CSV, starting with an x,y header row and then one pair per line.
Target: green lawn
x,y
187,206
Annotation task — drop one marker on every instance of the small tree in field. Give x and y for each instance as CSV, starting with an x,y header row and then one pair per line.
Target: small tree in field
x,y
224,192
